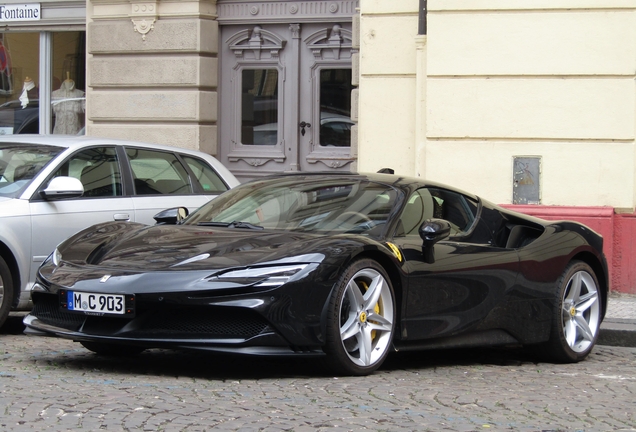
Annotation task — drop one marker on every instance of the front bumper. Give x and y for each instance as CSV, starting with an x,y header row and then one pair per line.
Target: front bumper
x,y
202,327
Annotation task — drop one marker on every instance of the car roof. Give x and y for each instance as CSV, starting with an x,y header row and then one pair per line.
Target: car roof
x,y
80,141
396,180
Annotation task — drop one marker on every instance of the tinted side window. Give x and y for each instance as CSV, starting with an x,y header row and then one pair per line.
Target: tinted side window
x,y
97,169
436,203
457,209
158,173
207,177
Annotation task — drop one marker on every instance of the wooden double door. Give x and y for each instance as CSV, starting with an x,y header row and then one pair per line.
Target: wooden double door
x,y
285,98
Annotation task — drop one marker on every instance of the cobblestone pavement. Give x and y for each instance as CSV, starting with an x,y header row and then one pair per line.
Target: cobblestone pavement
x,y
53,384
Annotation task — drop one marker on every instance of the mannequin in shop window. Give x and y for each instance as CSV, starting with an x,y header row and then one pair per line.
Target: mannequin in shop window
x,y
69,105
29,94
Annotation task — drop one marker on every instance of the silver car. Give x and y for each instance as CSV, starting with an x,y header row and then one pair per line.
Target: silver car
x,y
53,186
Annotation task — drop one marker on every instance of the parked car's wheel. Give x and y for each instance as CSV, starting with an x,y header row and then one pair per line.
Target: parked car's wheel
x,y
114,350
577,315
6,291
361,319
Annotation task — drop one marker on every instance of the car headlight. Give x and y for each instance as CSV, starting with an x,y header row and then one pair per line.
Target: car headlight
x,y
265,276
56,257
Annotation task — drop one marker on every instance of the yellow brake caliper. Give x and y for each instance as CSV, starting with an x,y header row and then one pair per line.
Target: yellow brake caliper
x,y
376,308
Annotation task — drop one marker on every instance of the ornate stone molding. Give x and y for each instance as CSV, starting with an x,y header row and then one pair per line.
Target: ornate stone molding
x,y
257,42
330,161
143,16
234,12
254,161
333,40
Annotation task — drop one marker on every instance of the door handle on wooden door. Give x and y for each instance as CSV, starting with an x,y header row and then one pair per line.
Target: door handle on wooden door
x,y
303,125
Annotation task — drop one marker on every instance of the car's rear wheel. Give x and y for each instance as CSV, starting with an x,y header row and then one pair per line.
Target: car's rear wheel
x,y
6,291
361,319
577,315
113,350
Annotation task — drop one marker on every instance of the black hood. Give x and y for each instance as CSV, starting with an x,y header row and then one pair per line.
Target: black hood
x,y
169,247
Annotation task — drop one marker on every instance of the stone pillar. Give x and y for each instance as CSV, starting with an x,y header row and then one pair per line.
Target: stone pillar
x,y
153,71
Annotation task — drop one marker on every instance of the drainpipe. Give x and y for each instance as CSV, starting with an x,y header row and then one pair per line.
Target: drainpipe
x,y
421,75
421,28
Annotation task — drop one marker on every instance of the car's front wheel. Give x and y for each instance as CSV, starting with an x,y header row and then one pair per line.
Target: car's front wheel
x,y
577,315
6,291
361,319
112,350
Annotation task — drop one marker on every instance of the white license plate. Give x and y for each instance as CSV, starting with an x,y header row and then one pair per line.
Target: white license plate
x,y
96,303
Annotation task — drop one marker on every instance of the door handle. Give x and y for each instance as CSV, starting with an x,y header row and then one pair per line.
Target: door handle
x,y
121,217
303,125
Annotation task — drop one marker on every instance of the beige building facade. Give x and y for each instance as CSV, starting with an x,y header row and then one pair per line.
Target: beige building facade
x,y
499,95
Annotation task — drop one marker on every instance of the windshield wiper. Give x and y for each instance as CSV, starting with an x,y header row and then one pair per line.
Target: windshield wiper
x,y
233,224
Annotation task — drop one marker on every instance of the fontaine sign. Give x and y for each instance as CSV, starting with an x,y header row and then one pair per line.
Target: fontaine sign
x,y
20,12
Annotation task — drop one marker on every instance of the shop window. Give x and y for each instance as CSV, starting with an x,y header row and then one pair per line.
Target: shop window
x,y
21,83
68,101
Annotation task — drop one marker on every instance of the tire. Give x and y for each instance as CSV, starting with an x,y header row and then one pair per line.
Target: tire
x,y
360,320
577,315
6,291
112,350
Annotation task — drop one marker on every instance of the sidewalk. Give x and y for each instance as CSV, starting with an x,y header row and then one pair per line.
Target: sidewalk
x,y
619,326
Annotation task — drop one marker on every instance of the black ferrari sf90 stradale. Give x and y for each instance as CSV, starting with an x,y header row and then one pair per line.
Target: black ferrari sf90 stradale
x,y
346,266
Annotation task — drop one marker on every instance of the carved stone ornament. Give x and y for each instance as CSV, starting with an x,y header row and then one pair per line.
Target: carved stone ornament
x,y
143,26
143,16
331,163
329,41
282,11
255,161
256,44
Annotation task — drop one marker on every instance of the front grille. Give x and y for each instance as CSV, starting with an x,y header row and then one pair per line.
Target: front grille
x,y
174,323
201,323
46,307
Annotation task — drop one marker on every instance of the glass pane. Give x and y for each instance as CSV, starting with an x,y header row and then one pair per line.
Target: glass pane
x,y
68,100
19,83
207,177
307,204
97,169
20,163
259,107
335,107
158,173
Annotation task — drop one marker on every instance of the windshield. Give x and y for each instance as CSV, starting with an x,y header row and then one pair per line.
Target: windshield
x,y
20,163
309,204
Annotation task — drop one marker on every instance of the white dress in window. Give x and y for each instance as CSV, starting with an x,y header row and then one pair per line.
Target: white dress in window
x,y
69,105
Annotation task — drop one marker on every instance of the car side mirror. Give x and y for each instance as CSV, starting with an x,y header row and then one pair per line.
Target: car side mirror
x,y
171,216
431,232
63,187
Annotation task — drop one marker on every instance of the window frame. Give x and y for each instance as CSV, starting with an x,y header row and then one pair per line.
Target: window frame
x,y
455,236
125,189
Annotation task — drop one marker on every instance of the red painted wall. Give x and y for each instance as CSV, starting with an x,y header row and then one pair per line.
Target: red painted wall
x,y
618,231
